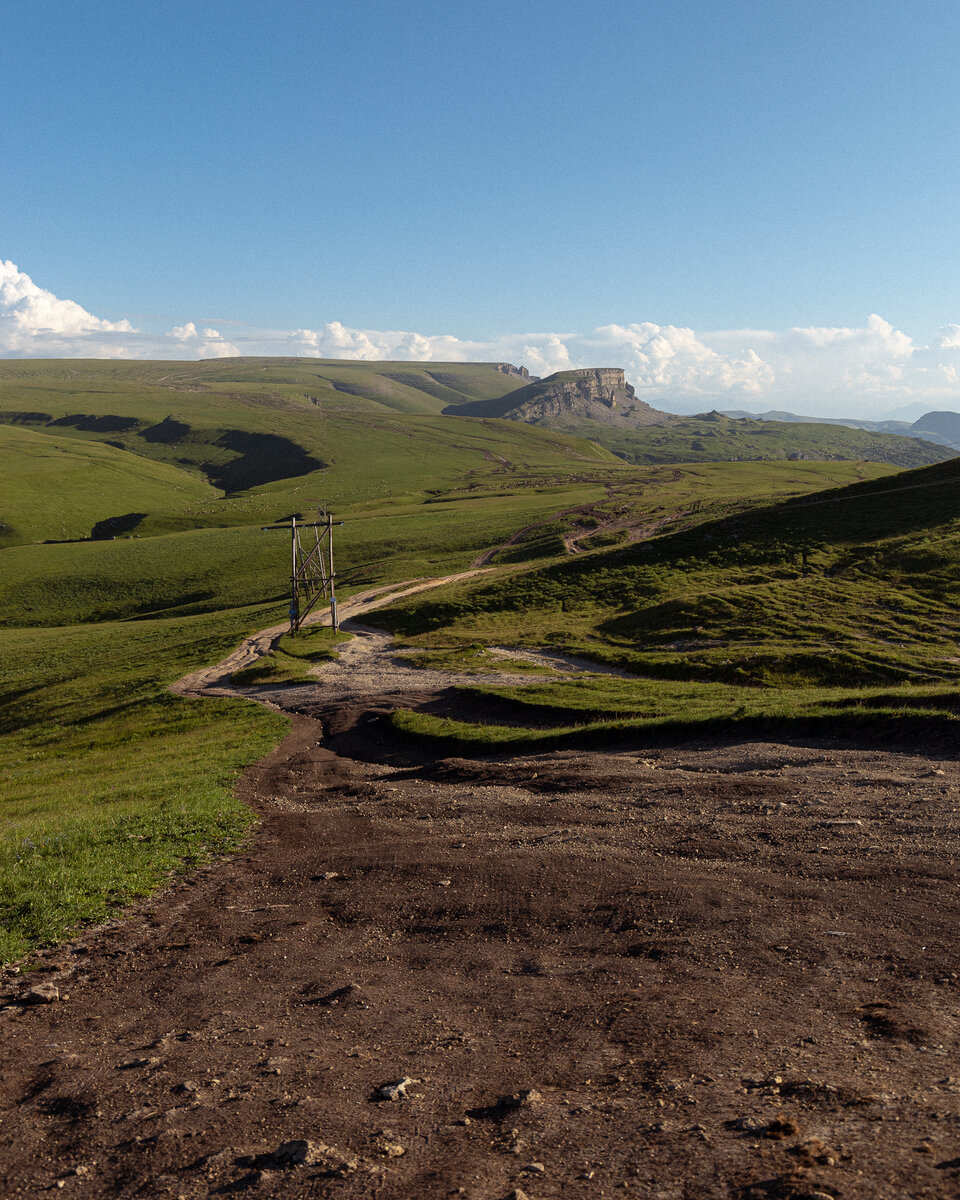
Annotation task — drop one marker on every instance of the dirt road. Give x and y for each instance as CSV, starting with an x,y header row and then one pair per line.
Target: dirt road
x,y
675,972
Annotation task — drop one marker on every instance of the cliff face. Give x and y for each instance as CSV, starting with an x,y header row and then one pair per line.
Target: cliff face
x,y
569,398
516,372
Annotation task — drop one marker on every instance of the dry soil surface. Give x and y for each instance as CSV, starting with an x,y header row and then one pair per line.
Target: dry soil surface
x,y
675,972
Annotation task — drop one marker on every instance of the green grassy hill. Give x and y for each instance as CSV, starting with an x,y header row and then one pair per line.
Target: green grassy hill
x,y
132,499
712,437
52,488
834,608
600,405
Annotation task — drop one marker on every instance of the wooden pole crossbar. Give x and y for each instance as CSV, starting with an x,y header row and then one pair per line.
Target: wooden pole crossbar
x,y
311,571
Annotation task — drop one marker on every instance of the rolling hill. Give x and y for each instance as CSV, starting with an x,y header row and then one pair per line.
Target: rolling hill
x,y
817,613
133,496
599,404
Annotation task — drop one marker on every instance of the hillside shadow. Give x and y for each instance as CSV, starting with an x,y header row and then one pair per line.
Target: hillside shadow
x,y
262,458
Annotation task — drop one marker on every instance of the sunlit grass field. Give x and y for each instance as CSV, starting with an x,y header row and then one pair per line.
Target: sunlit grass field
x,y
737,606
108,781
835,613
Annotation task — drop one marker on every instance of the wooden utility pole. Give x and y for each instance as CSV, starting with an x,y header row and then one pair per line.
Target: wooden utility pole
x,y
311,571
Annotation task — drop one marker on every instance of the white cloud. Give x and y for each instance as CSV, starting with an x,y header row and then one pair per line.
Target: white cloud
x,y
851,371
206,343
30,316
828,370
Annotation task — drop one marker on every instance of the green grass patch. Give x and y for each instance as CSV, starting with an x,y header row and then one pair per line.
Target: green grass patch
x,y
712,437
558,718
108,782
475,659
293,658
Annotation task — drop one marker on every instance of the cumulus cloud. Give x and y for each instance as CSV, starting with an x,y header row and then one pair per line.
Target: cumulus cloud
x,y
860,370
203,343
32,317
827,370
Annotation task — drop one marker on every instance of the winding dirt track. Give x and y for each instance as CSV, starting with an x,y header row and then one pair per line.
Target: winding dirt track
x,y
722,971
215,680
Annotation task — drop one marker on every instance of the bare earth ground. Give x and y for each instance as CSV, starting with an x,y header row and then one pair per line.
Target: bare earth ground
x,y
679,972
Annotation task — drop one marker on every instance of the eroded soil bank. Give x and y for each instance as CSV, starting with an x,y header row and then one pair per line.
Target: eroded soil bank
x,y
727,971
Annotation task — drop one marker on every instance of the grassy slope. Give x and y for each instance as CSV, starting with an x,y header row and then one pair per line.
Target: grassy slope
x,y
842,608
52,488
713,438
107,781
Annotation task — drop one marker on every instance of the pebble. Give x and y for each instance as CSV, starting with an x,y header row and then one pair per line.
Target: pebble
x,y
385,1143
300,1152
42,993
394,1091
444,882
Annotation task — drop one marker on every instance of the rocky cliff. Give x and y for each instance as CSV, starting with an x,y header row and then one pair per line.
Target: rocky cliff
x,y
571,398
516,372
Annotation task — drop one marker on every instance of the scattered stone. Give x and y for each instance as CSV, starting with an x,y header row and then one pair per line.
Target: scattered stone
x,y
132,1063
42,993
813,1150
384,1142
517,1194
444,882
303,1153
76,1172
188,1085
535,1168
394,1091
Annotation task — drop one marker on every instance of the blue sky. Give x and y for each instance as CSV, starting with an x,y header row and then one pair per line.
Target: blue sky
x,y
485,170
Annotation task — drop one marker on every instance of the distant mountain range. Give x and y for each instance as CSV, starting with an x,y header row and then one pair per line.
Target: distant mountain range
x,y
942,428
599,404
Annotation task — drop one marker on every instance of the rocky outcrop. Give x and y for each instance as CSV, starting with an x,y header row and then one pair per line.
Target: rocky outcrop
x,y
569,399
516,372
